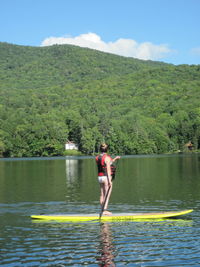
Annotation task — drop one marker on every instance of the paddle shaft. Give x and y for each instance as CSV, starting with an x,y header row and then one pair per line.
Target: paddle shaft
x,y
104,203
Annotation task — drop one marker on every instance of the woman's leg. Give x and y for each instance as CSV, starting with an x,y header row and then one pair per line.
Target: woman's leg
x,y
102,193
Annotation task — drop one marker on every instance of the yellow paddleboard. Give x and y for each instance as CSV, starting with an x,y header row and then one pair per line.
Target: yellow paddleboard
x,y
113,217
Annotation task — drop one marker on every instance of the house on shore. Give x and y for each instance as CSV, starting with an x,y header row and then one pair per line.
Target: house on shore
x,y
69,145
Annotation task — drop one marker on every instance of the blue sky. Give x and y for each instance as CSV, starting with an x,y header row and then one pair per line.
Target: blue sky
x,y
163,30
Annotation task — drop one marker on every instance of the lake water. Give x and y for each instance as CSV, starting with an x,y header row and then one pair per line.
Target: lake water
x,y
69,185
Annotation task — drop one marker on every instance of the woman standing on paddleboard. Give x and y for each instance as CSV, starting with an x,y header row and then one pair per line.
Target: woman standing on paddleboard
x,y
104,163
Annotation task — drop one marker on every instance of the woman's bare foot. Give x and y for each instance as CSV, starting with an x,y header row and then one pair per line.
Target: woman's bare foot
x,y
106,212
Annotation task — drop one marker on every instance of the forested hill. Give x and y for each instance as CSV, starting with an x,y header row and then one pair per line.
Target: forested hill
x,y
35,67
52,94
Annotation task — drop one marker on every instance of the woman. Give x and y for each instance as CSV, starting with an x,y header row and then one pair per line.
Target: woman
x,y
104,162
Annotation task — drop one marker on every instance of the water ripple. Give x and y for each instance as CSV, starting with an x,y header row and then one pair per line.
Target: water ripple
x,y
165,243
137,243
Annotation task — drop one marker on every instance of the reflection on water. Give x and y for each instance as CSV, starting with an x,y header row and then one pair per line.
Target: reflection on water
x,y
106,248
147,243
71,169
143,242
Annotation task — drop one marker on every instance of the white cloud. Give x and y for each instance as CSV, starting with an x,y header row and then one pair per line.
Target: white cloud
x,y
123,47
195,51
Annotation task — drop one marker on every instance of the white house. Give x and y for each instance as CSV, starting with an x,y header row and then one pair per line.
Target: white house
x,y
70,146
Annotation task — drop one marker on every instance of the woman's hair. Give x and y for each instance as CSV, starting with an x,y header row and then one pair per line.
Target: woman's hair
x,y
103,147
